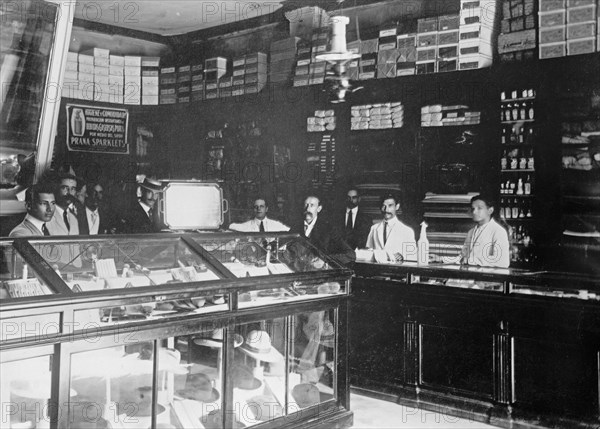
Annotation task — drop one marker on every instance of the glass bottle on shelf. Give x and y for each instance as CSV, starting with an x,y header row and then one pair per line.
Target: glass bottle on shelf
x,y
507,210
515,209
527,186
512,187
520,187
521,134
504,133
531,111
503,160
522,161
507,112
523,111
514,160
530,160
515,111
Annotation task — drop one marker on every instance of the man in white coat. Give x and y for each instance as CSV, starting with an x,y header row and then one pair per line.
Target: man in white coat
x,y
391,235
260,223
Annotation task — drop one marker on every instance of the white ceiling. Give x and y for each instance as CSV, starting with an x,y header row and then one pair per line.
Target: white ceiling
x,y
172,17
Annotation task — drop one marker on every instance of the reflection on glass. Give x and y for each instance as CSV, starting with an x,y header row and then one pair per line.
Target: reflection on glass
x,y
192,394
17,279
121,263
150,310
27,384
253,256
312,369
459,283
114,386
259,373
297,291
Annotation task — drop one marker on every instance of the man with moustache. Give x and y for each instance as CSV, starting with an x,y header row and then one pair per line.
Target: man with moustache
x,y
260,223
142,217
322,235
356,223
93,219
40,203
391,235
64,221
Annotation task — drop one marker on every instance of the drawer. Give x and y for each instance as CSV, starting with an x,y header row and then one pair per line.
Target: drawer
x,y
428,54
426,40
447,65
448,22
551,5
426,67
553,34
474,62
579,3
581,31
427,25
448,51
553,19
448,37
553,50
581,46
581,14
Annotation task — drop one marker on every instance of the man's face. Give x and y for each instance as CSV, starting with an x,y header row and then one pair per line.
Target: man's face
x,y
148,197
480,212
42,207
67,191
94,197
352,199
260,209
312,207
389,208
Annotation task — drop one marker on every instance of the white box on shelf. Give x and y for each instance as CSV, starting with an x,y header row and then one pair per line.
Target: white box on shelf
x,y
85,77
115,70
73,56
85,59
117,60
101,62
149,99
132,70
102,80
101,71
97,52
468,62
86,68
132,61
71,66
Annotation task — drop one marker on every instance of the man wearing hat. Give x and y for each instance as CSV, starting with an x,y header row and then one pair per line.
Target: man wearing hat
x,y
142,217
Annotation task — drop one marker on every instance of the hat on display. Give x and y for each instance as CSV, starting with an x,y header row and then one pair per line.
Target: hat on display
x,y
265,407
214,420
306,394
199,387
258,346
151,185
216,339
243,378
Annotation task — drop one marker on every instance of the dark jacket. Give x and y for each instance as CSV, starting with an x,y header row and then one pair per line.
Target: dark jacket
x,y
105,222
329,240
357,236
138,222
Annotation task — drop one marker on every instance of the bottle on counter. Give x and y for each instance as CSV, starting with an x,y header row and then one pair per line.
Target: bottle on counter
x,y
423,246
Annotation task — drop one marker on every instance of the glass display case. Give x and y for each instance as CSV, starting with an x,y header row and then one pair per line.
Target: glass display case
x,y
174,331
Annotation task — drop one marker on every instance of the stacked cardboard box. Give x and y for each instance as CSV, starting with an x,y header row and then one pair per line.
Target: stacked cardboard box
x,y
309,71
377,116
214,69
85,76
283,57
70,88
352,68
255,72
324,120
184,83
427,40
447,49
387,54
197,87
168,85
150,80
369,49
133,79
478,33
517,39
440,116
99,69
407,54
116,77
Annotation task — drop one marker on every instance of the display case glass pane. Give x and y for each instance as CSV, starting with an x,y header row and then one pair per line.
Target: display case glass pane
x,y
17,278
259,373
122,262
252,255
312,359
583,293
25,391
296,291
458,283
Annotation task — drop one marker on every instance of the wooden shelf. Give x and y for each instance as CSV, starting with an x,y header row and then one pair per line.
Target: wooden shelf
x,y
512,100
517,196
517,121
527,170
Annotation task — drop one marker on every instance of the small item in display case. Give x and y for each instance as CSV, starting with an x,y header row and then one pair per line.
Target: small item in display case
x,y
265,407
258,346
306,395
199,387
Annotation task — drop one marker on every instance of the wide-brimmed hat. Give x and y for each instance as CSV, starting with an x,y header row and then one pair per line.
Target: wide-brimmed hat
x,y
215,339
265,407
152,185
258,346
199,387
214,420
244,379
306,394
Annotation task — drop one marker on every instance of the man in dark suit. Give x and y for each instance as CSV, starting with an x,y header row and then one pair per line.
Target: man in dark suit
x,y
142,217
322,235
356,224
93,218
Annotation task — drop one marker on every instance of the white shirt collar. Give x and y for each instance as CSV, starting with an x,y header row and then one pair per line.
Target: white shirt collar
x,y
309,226
35,221
90,211
354,210
145,206
392,221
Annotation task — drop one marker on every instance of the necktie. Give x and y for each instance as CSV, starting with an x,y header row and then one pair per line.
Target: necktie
x,y
349,220
305,229
261,228
45,230
150,214
384,233
94,218
66,219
